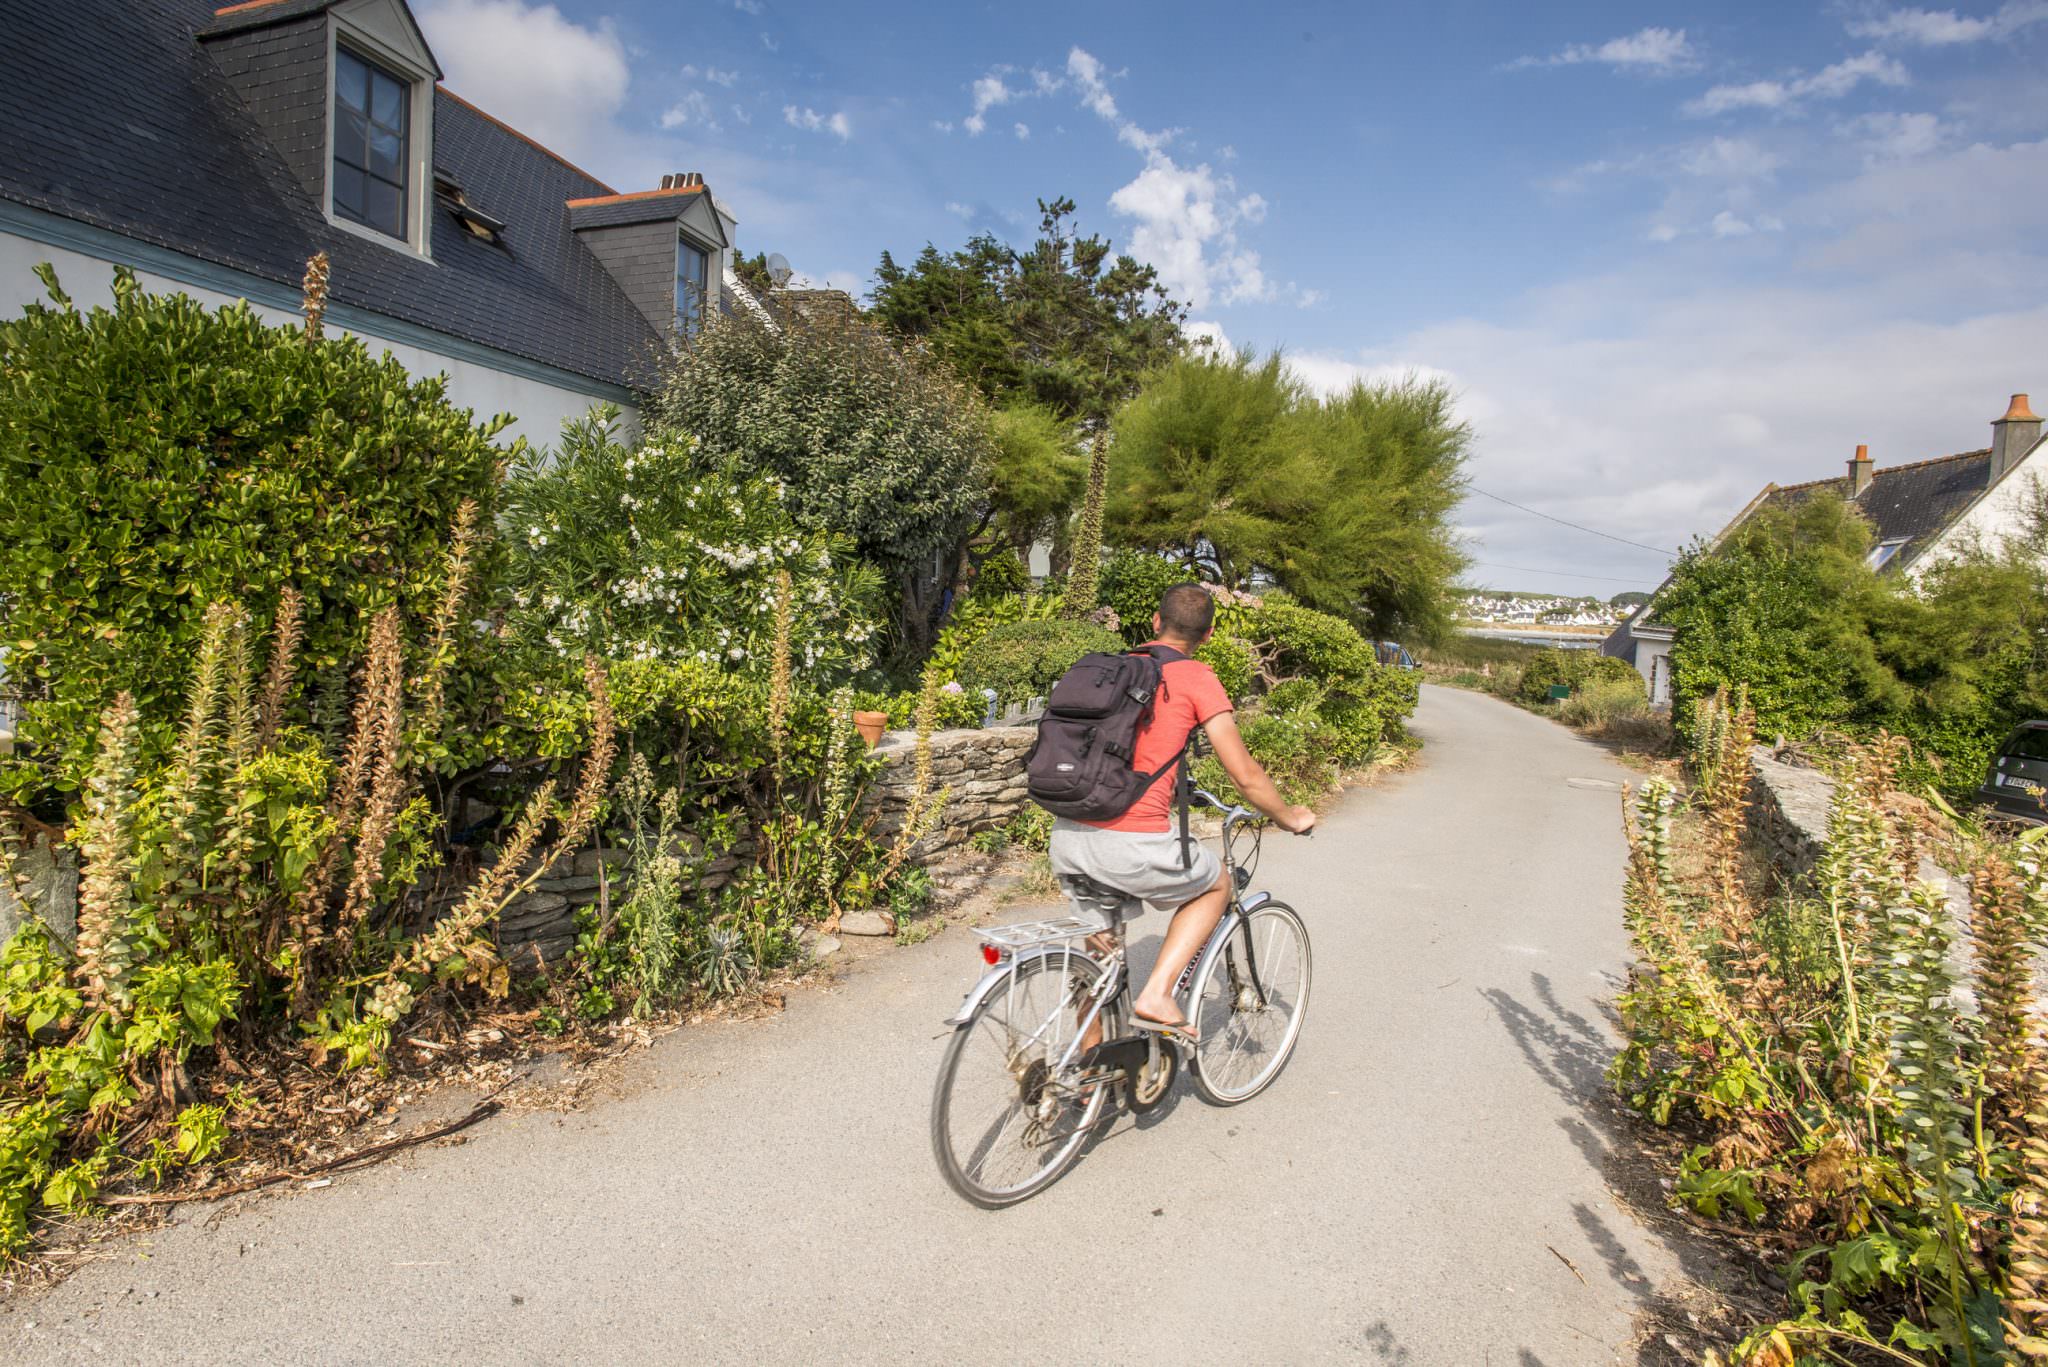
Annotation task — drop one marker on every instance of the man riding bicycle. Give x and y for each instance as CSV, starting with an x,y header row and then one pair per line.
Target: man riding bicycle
x,y
1137,853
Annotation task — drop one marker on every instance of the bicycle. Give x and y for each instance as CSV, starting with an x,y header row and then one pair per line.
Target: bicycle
x,y
1017,1095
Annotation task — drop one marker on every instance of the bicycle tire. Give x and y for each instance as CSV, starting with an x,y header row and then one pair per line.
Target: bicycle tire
x,y
1220,1009
966,1178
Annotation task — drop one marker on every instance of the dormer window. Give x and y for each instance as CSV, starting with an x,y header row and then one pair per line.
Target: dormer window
x,y
693,285
372,152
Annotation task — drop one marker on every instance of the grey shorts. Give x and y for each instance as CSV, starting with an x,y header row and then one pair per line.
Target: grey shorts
x,y
1140,864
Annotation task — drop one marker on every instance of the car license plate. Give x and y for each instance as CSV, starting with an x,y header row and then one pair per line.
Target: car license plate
x,y
2029,788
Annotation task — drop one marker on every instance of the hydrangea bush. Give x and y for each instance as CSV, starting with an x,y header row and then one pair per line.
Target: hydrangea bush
x,y
642,553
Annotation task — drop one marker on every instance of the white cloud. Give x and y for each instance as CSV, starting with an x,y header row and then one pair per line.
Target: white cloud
x,y
943,125
768,40
739,112
1023,131
1652,49
1308,299
1729,159
1829,83
559,82
955,207
1945,28
1663,232
753,7
811,121
1186,219
728,79
989,92
1726,224
1208,335
1895,137
693,110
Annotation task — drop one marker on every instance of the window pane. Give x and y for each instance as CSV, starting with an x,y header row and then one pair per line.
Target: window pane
x,y
2030,744
351,81
351,137
387,101
387,155
386,208
348,192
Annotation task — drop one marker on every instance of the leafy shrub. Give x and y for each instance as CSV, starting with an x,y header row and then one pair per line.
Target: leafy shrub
x,y
1024,659
164,456
1133,582
870,440
1575,669
639,553
958,707
1001,573
1232,660
911,894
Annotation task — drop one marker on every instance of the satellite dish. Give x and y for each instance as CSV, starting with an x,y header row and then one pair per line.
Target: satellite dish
x,y
778,269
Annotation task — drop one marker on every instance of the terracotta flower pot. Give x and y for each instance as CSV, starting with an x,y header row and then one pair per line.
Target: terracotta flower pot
x,y
871,725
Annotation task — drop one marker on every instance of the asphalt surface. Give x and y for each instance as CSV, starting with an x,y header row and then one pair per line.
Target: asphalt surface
x,y
1423,1185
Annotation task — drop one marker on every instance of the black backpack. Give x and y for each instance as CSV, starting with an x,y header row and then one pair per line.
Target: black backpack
x,y
1081,764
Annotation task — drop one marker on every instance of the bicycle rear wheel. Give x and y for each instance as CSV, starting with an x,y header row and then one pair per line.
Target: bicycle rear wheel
x,y
1005,1124
1248,1021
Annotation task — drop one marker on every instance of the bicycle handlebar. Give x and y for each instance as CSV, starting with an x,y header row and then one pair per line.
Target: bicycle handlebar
x,y
1232,816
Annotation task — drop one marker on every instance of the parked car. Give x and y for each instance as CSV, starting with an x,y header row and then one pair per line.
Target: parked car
x,y
1395,654
2017,785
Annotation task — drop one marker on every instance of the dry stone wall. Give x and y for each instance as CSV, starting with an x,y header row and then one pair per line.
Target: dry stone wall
x,y
1788,812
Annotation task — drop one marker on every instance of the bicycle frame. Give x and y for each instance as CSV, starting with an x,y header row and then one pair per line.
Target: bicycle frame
x,y
1242,905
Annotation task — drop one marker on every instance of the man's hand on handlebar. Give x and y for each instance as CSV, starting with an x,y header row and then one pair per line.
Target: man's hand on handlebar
x,y
1299,820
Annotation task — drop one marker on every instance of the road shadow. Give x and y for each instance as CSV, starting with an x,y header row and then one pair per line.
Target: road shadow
x,y
1718,1294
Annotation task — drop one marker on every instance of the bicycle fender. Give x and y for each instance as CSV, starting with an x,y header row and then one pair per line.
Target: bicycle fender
x,y
995,978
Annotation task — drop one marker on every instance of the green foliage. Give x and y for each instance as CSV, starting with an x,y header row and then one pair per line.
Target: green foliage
x,y
1059,324
911,894
870,442
1232,658
1232,465
1133,582
1001,574
1789,609
1036,476
180,455
1024,659
643,553
1576,670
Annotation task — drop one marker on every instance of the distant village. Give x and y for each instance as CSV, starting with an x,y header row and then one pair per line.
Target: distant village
x,y
1501,607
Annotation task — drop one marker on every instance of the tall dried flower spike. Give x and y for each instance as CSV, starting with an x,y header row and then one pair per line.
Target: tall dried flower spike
x,y
388,782
315,304
1085,581
2005,990
107,949
277,674
447,616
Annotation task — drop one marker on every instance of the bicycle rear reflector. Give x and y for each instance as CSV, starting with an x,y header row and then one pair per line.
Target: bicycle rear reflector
x,y
991,956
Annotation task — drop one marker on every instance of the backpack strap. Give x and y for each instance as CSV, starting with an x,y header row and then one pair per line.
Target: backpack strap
x,y
1183,783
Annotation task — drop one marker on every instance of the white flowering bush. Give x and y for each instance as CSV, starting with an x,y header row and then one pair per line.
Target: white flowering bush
x,y
644,554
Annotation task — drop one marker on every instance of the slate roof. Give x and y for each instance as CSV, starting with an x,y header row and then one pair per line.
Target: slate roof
x,y
112,113
1911,503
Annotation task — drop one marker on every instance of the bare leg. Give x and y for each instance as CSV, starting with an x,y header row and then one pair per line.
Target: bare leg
x,y
1099,944
1184,937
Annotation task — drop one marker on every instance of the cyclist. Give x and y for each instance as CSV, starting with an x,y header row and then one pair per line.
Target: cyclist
x,y
1137,853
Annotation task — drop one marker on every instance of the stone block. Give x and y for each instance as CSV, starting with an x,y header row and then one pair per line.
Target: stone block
x,y
587,861
866,923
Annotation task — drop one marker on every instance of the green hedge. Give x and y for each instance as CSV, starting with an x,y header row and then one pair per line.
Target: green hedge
x,y
1574,669
1023,659
161,456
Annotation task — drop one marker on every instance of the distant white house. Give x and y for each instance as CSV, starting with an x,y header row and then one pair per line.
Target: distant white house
x,y
1920,514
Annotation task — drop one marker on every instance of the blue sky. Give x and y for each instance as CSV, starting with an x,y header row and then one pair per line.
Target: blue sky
x,y
1664,253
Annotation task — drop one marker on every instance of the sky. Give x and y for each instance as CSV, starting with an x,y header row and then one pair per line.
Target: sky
x,y
1662,253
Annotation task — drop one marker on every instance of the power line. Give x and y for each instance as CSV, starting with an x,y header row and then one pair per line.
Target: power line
x,y
1566,574
1590,531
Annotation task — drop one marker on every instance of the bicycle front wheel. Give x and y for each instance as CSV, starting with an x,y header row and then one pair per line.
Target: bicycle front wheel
x,y
1007,1119
1247,1005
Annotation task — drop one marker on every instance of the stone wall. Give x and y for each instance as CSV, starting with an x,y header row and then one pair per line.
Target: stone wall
x,y
1788,813
52,890
983,768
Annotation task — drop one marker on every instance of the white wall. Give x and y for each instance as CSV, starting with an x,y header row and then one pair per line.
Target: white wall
x,y
540,408
1995,517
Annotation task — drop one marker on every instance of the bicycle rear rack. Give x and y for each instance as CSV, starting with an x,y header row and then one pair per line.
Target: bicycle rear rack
x,y
1030,934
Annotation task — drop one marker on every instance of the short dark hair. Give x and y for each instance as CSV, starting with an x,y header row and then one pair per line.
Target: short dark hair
x,y
1187,611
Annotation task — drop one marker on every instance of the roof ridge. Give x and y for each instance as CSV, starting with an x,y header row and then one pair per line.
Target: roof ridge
x,y
615,197
245,5
493,119
1811,483
1931,460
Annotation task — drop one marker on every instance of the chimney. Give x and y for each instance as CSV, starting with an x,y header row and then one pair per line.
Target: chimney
x,y
668,182
2012,436
1859,472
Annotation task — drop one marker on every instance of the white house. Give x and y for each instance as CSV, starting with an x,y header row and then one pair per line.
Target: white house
x,y
215,149
1920,514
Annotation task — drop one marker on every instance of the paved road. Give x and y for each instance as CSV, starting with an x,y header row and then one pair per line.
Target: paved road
x,y
1406,1193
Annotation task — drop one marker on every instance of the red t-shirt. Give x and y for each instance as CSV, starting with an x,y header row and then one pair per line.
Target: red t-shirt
x,y
1189,694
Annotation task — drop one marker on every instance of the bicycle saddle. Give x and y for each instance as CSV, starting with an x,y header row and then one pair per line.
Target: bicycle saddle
x,y
1098,898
